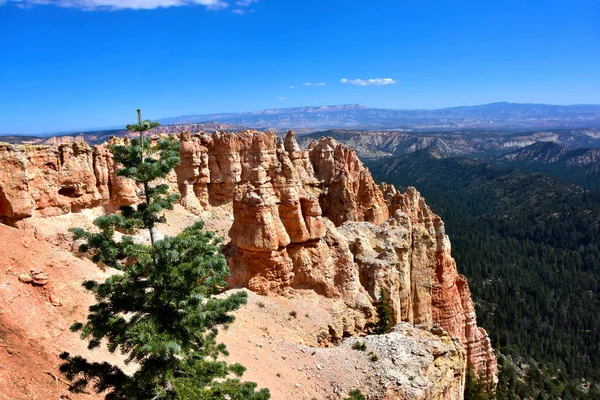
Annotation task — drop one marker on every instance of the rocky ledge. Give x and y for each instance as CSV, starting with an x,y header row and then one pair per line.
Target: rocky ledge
x,y
303,220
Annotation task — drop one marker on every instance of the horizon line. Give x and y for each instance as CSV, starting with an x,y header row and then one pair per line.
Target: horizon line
x,y
68,131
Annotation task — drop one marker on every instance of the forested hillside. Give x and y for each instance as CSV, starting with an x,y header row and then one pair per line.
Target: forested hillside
x,y
580,166
530,247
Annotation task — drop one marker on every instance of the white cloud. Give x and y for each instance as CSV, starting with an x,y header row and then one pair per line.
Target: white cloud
x,y
292,87
308,84
315,84
123,4
369,82
244,4
281,98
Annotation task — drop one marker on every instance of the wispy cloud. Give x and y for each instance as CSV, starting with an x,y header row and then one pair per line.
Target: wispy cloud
x,y
369,82
315,84
243,6
281,98
292,87
120,4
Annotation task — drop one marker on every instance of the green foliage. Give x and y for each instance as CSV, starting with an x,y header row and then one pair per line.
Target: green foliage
x,y
355,395
161,311
507,380
530,248
373,357
476,387
384,314
362,346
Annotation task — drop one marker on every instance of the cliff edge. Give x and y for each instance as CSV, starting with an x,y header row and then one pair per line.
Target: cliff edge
x,y
303,221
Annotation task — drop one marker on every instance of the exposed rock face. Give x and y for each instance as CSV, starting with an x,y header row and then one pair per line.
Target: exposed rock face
x,y
40,181
302,220
193,175
451,305
350,193
279,239
45,181
417,365
390,257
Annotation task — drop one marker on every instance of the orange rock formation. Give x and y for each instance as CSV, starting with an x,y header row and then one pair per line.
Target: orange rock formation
x,y
302,220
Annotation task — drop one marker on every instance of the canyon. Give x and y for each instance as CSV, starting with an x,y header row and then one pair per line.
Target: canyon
x,y
303,223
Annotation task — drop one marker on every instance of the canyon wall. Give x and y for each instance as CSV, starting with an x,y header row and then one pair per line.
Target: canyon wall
x,y
303,220
46,181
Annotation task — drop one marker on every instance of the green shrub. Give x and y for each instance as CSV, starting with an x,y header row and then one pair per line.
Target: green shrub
x,y
362,346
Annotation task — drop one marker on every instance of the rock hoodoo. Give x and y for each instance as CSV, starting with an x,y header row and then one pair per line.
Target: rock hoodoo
x,y
302,220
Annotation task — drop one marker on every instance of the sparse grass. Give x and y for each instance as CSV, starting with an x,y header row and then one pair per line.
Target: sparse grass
x,y
260,304
293,314
362,346
306,315
374,357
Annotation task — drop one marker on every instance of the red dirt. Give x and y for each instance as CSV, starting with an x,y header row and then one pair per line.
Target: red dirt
x,y
272,336
33,332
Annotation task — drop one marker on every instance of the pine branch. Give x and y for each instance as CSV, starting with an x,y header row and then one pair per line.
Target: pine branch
x,y
161,311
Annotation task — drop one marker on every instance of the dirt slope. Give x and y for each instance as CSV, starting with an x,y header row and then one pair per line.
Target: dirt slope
x,y
33,332
276,338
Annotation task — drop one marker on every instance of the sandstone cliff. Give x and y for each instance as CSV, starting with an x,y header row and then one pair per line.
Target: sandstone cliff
x,y
303,220
45,181
448,301
280,350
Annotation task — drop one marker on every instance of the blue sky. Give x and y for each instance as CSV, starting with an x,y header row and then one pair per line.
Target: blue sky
x,y
71,64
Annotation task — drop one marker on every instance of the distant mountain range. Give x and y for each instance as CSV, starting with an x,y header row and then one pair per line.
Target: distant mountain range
x,y
355,116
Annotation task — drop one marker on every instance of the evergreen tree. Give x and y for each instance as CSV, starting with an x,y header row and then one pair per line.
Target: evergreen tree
x,y
161,311
530,248
384,313
476,388
507,380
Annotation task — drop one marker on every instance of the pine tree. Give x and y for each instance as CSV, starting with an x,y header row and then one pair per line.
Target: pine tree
x,y
507,380
161,311
384,312
476,387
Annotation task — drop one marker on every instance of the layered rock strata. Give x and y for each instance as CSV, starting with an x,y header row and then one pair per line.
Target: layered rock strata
x,y
46,181
302,220
409,257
